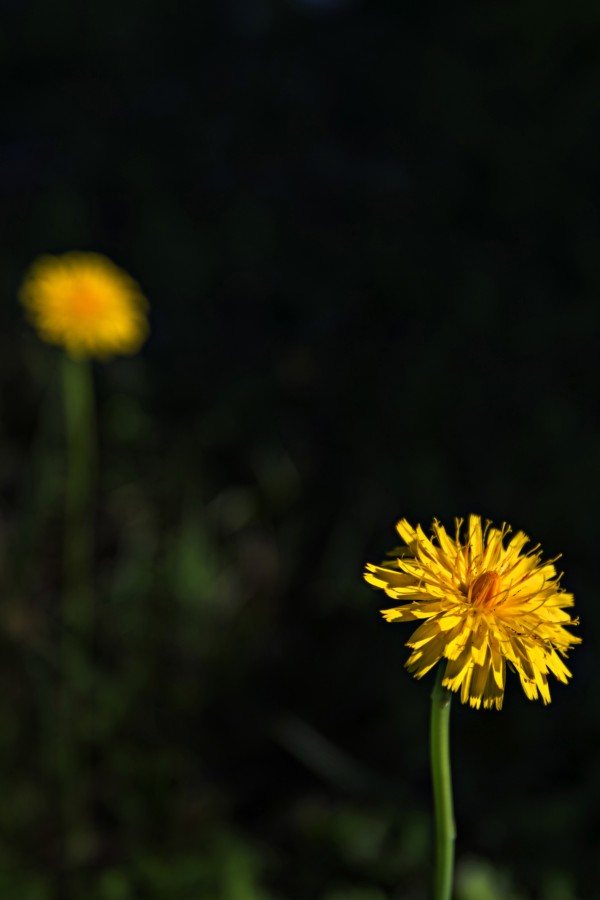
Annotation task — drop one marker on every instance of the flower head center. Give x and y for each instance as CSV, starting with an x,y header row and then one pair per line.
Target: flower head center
x,y
85,302
485,589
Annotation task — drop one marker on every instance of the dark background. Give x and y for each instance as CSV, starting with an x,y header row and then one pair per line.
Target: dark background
x,y
369,235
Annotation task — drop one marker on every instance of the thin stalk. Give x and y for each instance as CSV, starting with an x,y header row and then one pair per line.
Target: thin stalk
x,y
445,831
81,463
78,605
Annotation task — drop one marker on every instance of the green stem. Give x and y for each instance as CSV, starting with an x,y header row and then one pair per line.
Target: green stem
x,y
78,605
80,428
445,831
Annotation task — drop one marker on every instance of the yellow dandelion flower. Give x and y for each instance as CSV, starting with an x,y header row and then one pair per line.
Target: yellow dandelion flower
x,y
86,304
484,604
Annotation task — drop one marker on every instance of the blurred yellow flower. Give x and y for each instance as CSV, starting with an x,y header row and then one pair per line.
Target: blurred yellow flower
x,y
484,605
86,304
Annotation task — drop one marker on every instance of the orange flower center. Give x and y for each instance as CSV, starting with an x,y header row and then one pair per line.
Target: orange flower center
x,y
485,589
85,302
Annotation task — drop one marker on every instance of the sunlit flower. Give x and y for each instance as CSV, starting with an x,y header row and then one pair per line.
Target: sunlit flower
x,y
86,304
484,604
